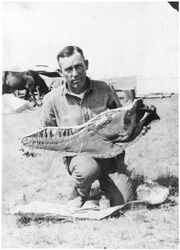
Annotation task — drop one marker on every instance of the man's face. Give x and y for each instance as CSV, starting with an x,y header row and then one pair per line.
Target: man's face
x,y
74,71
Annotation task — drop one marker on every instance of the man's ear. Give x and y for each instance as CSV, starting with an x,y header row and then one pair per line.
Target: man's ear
x,y
87,64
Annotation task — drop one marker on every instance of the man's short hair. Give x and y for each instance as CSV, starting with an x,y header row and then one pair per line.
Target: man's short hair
x,y
69,51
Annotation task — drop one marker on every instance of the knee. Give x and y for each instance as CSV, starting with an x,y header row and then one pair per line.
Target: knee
x,y
84,167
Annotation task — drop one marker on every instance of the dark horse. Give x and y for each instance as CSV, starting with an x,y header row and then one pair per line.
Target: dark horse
x,y
29,80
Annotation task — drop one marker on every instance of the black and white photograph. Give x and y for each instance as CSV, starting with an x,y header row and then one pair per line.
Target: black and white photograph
x,y
90,93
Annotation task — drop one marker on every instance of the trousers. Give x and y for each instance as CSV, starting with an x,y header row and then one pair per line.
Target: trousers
x,y
111,173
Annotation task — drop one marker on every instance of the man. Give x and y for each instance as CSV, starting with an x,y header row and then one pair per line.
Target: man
x,y
74,103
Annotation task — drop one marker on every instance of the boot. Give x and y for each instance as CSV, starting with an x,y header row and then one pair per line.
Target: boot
x,y
75,200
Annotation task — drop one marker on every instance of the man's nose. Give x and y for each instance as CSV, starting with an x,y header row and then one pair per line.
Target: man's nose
x,y
74,72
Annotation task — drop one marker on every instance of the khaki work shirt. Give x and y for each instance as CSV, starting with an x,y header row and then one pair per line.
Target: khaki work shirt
x,y
63,109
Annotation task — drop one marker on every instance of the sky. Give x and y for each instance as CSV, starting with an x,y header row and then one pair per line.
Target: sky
x,y
118,38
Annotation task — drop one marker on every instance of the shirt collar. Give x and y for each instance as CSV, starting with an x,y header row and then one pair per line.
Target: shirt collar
x,y
89,88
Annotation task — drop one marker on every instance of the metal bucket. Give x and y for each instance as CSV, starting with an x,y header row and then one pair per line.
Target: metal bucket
x,y
129,95
126,96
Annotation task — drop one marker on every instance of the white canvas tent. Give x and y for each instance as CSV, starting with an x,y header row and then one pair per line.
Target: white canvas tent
x,y
158,50
119,38
12,104
153,55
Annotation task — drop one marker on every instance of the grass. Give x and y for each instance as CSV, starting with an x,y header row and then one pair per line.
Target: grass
x,y
44,178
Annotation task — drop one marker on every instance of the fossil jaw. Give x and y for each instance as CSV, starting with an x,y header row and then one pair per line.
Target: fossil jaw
x,y
106,134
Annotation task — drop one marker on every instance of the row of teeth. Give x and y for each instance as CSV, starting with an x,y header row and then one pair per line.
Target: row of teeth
x,y
55,134
50,136
49,133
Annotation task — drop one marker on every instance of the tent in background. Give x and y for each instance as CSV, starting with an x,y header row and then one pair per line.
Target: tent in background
x,y
148,49
12,104
119,38
158,56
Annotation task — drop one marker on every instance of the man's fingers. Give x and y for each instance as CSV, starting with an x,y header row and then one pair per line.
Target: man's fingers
x,y
144,130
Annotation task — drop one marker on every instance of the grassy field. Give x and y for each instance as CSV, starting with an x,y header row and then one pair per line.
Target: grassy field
x,y
44,178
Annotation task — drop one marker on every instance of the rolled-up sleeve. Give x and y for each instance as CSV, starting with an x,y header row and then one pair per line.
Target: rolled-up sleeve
x,y
48,117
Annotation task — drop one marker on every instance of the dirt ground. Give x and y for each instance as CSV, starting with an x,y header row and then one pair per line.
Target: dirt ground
x,y
44,178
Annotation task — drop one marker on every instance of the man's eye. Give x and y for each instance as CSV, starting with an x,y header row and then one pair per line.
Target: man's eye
x,y
68,70
79,66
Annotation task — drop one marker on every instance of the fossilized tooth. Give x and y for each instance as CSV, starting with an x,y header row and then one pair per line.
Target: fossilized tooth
x,y
104,136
